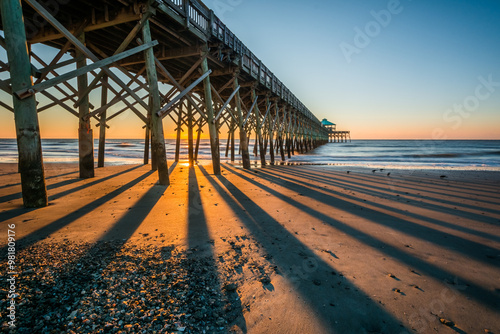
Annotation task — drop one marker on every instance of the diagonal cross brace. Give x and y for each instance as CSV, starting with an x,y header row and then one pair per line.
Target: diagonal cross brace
x,y
182,94
250,112
225,104
120,49
56,24
22,94
267,113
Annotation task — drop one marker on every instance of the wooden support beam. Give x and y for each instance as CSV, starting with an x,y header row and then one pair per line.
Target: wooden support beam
x,y
168,30
188,51
127,103
157,136
190,133
226,103
61,52
179,130
227,85
120,49
233,126
212,126
176,99
80,71
146,143
102,128
177,85
258,132
270,130
29,143
251,108
56,24
245,155
65,83
85,133
126,15
118,96
222,101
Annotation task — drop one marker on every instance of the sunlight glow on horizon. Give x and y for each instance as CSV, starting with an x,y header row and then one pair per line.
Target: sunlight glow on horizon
x,y
418,75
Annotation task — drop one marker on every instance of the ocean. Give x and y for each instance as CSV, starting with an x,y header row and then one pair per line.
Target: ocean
x,y
404,154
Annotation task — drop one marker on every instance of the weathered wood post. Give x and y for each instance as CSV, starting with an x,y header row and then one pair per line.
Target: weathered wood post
x,y
289,135
260,125
271,134
102,124
198,137
212,126
228,143
282,131
157,137
178,139
190,133
233,128
147,135
255,144
85,133
245,155
25,115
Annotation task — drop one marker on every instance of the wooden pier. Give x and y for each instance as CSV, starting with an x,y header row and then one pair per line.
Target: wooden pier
x,y
335,136
158,59
339,136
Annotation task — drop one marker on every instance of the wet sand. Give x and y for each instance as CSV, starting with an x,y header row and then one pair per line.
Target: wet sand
x,y
290,249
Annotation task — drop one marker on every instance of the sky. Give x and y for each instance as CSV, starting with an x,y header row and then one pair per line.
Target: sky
x,y
382,69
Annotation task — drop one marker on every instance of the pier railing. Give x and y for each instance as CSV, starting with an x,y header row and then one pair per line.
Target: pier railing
x,y
204,23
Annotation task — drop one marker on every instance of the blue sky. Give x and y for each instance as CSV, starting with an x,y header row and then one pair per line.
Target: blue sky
x,y
383,69
407,75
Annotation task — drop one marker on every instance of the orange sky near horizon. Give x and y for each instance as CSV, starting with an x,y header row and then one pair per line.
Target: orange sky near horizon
x,y
57,124
407,82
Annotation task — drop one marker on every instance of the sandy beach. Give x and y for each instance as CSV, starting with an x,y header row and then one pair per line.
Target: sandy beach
x,y
283,249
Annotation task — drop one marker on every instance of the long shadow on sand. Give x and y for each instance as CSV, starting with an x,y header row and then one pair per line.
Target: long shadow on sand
x,y
58,224
439,236
201,248
85,271
363,186
21,210
468,288
46,178
355,312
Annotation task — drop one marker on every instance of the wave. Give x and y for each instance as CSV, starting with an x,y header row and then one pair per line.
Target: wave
x,y
452,155
124,145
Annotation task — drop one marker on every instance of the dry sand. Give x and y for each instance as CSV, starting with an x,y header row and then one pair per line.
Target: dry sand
x,y
309,249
